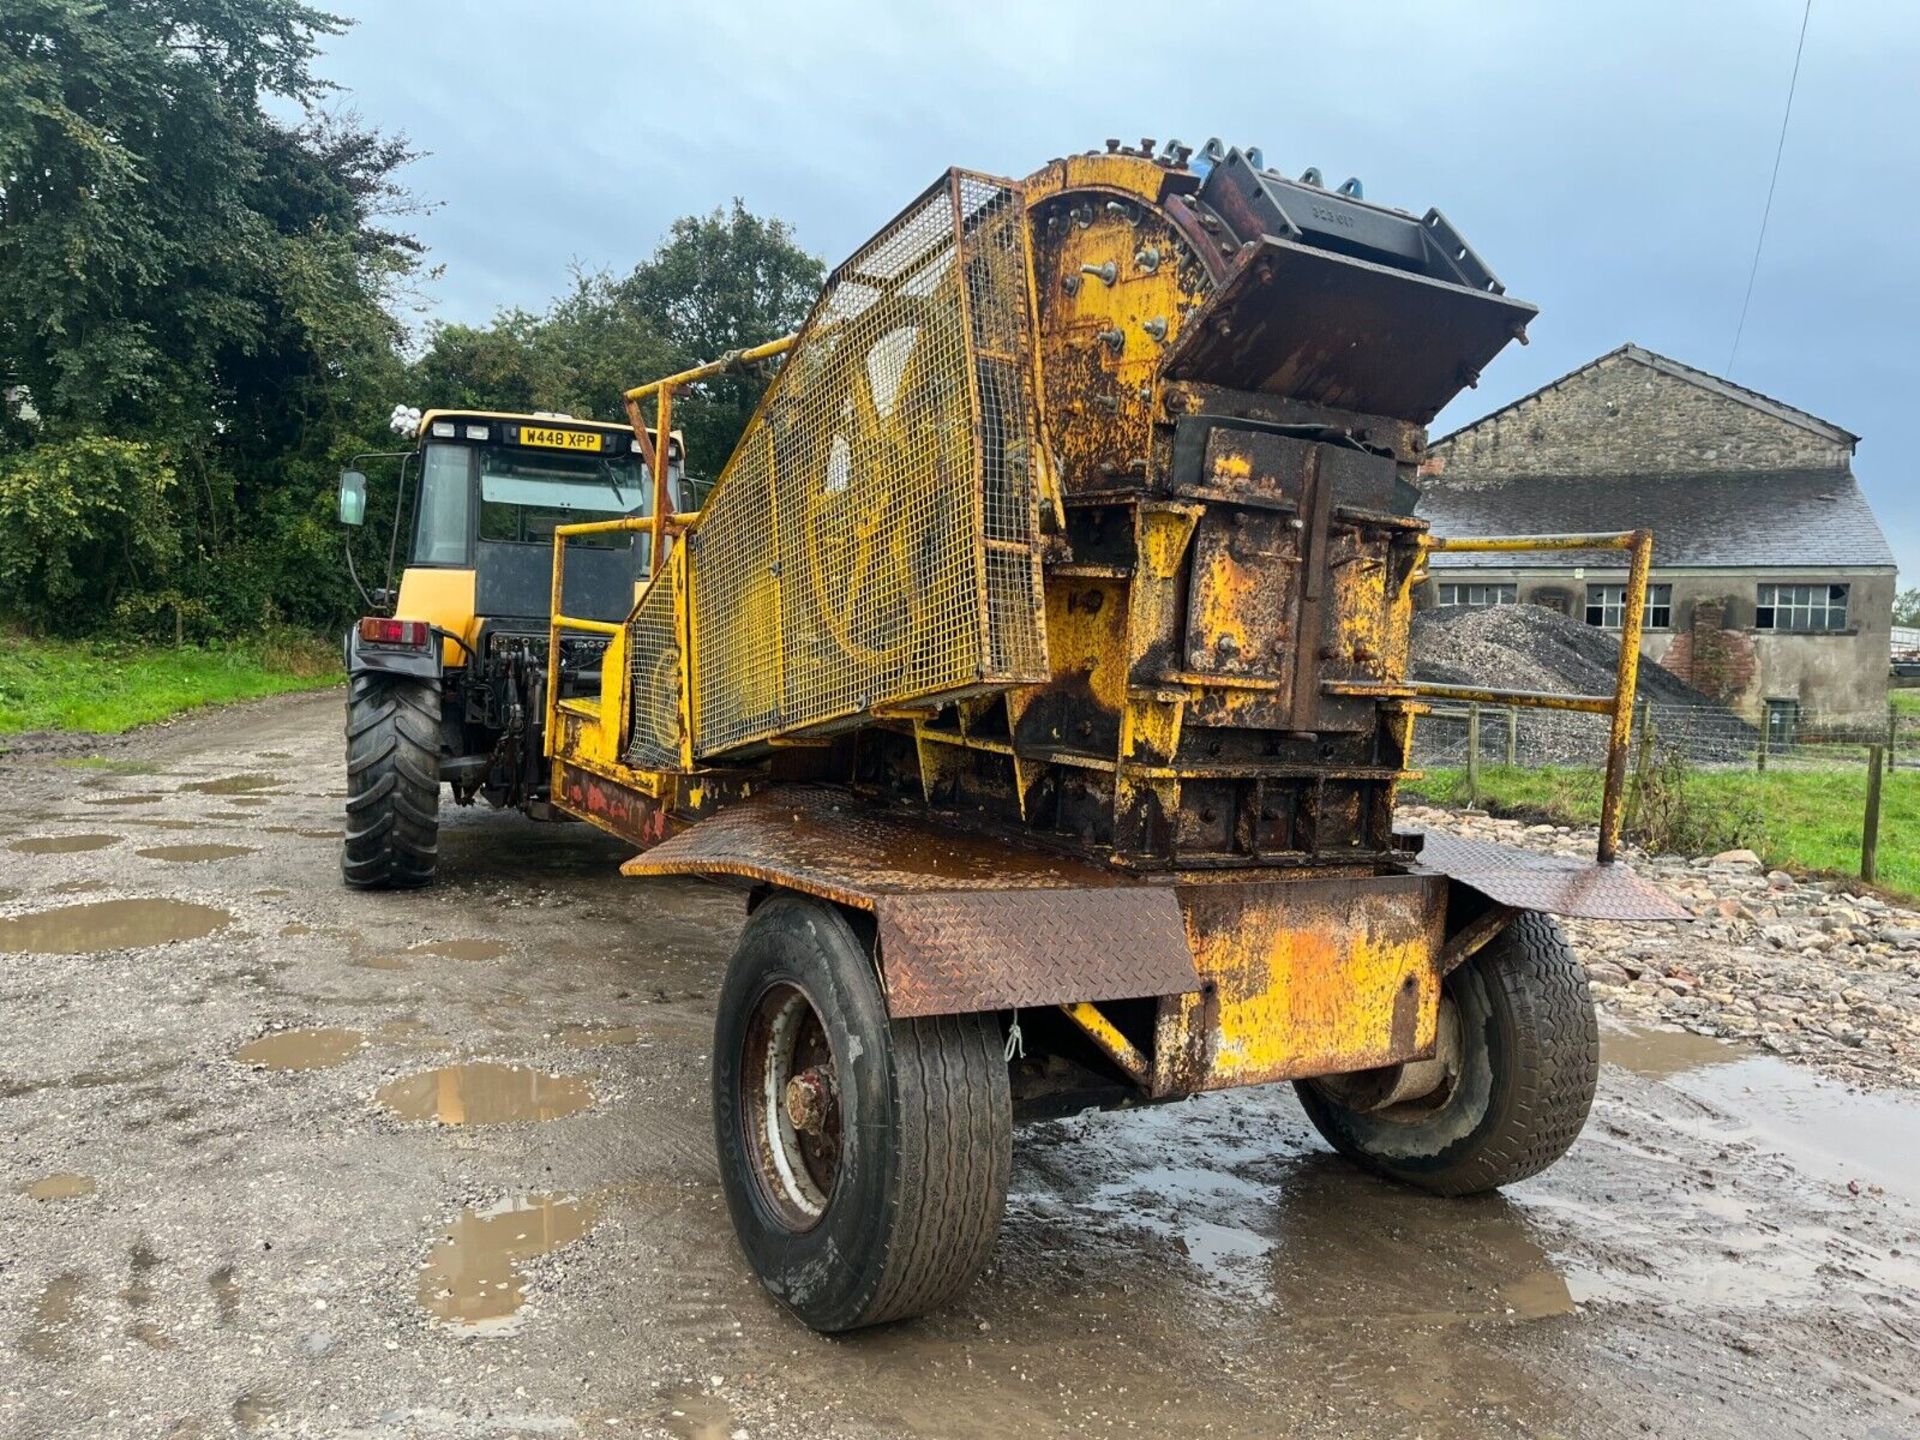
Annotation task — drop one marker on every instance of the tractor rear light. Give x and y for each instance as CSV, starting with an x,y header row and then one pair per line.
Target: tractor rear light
x,y
405,634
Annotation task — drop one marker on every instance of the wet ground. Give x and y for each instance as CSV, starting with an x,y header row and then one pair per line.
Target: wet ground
x,y
278,1158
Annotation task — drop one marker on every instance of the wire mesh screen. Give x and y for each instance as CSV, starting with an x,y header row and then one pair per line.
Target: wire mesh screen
x,y
872,540
653,650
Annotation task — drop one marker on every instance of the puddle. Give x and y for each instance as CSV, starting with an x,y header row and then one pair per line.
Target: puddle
x,y
1827,1130
63,1186
54,1314
108,925
63,844
234,784
254,1410
484,1093
695,1415
76,887
122,799
193,854
472,1279
315,1049
593,1037
380,962
250,802
295,930
462,949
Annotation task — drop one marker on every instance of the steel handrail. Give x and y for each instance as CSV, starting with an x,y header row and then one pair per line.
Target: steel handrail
x,y
650,525
1618,707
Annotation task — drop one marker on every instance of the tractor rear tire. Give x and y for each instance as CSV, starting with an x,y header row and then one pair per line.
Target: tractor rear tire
x,y
864,1159
1528,1058
393,782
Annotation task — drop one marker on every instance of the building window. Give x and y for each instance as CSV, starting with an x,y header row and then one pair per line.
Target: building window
x,y
1479,597
1607,604
1801,607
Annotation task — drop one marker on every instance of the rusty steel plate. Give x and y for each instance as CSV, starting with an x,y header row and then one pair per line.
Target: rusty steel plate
x,y
959,951
1556,884
967,921
829,841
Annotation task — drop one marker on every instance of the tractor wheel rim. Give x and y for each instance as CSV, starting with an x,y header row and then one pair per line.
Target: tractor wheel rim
x,y
791,1103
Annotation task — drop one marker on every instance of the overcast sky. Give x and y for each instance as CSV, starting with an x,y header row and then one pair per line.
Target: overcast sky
x,y
1608,160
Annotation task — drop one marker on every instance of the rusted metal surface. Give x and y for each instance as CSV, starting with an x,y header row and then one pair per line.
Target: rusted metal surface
x,y
1556,884
829,841
1322,327
613,807
958,951
1303,978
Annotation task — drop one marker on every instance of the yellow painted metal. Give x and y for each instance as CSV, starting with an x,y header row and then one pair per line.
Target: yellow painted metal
x,y
1104,1033
656,525
1525,699
1505,544
1301,978
873,541
1626,682
722,366
443,597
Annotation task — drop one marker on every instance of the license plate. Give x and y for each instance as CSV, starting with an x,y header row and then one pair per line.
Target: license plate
x,y
559,439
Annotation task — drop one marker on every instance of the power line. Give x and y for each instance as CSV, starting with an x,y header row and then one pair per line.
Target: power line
x,y
1767,213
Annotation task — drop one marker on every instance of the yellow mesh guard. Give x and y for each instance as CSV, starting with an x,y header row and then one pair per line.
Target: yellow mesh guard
x,y
653,647
872,541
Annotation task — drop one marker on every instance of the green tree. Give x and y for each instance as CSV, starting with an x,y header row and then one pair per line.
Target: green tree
x,y
723,282
717,283
183,272
1906,607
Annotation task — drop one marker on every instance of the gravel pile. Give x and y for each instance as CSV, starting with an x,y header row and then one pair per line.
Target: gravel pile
x,y
1529,647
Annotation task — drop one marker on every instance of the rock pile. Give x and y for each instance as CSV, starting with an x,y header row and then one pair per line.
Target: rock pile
x,y
1802,968
1529,647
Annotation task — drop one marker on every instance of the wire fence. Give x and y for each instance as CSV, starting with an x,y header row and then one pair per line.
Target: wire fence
x,y
1805,789
1703,735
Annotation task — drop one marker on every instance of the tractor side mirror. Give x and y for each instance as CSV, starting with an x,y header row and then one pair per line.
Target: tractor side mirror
x,y
353,497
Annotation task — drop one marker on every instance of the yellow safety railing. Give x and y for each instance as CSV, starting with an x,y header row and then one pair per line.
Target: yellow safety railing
x,y
1618,706
655,526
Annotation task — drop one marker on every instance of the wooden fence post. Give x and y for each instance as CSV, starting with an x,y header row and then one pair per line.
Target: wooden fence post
x,y
1513,736
1870,829
1473,754
1893,731
1760,755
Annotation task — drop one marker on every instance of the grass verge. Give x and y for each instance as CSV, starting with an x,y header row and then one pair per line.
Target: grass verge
x,y
106,687
1803,820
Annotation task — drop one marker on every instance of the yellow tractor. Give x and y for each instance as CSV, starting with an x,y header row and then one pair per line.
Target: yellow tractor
x,y
1038,668
447,678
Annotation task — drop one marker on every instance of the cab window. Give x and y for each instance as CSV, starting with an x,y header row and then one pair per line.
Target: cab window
x,y
440,529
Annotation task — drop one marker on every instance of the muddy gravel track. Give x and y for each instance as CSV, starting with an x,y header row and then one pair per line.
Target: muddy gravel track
x,y
283,1158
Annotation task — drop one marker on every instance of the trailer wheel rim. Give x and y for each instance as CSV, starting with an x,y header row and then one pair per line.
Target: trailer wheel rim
x,y
790,1099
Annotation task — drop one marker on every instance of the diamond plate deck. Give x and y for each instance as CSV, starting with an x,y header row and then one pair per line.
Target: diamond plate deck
x,y
967,921
1556,884
829,841
949,952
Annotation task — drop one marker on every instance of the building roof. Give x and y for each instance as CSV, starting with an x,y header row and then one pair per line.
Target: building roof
x,y
1640,355
1747,519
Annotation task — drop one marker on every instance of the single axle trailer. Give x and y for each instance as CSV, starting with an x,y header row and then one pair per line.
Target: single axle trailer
x,y
1038,667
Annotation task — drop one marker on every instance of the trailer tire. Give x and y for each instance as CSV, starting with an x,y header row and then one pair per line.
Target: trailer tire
x,y
880,1197
1529,1058
393,782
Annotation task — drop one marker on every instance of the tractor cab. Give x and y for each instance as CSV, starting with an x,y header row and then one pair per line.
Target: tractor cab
x,y
448,672
487,491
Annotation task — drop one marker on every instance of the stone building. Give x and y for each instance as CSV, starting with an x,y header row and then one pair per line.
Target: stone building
x,y
1772,583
